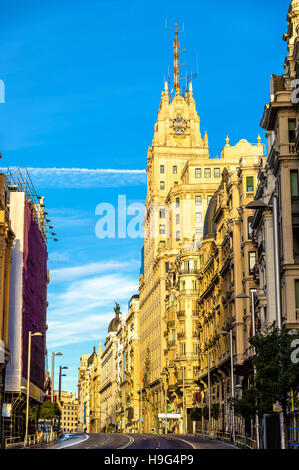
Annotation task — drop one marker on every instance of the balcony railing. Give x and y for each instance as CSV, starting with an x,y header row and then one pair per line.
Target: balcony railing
x,y
181,314
171,344
181,334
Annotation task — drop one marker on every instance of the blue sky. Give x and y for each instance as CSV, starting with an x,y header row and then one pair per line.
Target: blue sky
x,y
83,81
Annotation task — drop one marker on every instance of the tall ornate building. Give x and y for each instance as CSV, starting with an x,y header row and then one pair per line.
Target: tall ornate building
x,y
278,193
181,179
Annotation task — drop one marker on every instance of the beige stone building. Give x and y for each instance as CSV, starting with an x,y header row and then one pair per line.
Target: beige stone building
x,y
278,192
108,389
181,180
83,411
128,386
69,412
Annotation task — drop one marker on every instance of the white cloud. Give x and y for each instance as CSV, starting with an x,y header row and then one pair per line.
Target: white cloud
x,y
85,177
79,312
75,272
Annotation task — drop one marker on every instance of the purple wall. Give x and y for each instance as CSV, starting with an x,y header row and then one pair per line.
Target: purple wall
x,y
34,299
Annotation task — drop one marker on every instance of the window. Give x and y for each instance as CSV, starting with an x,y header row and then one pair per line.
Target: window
x,y
292,130
176,183
198,217
182,349
249,184
249,223
174,169
162,229
294,183
178,236
202,260
209,199
177,219
295,221
252,261
297,293
198,200
198,173
167,267
198,231
162,185
207,172
216,172
162,213
162,169
177,202
196,349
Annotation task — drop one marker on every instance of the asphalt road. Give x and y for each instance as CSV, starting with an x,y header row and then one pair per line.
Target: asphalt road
x,y
137,441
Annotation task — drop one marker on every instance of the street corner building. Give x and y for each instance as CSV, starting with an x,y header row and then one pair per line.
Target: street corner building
x,y
24,287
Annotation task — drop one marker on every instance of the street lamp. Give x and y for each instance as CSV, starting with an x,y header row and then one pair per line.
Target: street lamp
x,y
53,359
209,385
259,204
61,375
28,382
232,376
164,372
244,296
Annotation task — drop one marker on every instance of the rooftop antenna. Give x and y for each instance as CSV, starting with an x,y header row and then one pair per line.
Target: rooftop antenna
x,y
176,52
192,75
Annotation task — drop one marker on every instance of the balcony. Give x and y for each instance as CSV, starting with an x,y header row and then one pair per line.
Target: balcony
x,y
181,335
181,314
170,323
292,149
189,271
196,334
171,344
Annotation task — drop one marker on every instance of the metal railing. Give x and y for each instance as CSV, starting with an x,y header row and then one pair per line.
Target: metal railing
x,y
33,439
240,441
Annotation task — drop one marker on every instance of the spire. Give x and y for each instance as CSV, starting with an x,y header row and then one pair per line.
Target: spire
x,y
176,47
227,140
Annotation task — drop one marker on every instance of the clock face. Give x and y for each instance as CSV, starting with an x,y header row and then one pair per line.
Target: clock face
x,y
180,125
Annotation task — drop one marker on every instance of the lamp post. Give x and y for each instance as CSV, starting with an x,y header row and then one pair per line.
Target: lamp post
x,y
53,360
59,391
28,383
61,375
232,377
164,372
244,296
207,354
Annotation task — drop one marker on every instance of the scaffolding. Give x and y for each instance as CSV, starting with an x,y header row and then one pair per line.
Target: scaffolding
x,y
19,181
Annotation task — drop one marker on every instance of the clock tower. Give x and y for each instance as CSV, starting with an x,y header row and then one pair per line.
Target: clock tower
x,y
181,179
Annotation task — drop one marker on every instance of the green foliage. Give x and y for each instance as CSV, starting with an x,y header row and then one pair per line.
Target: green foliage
x,y
205,412
215,410
49,410
246,406
276,374
196,414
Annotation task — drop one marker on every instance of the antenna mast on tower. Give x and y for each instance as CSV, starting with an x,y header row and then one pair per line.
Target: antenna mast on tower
x,y
176,65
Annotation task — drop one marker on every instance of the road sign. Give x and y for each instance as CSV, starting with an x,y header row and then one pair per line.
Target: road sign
x,y
169,415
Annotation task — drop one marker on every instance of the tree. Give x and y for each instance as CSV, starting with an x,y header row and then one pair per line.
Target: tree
x,y
276,378
215,411
196,414
49,410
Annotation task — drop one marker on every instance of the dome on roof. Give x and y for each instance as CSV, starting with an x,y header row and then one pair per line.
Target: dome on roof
x,y
114,324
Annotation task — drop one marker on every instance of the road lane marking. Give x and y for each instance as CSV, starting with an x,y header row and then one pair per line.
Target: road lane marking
x,y
131,440
179,439
74,443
